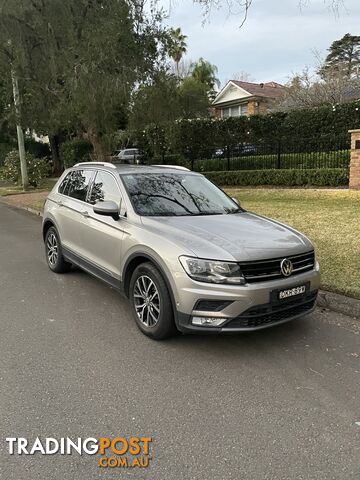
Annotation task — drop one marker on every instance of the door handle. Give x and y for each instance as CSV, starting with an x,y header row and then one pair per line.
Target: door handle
x,y
85,214
60,203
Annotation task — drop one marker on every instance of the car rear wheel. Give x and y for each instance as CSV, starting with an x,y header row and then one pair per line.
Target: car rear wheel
x,y
151,303
54,255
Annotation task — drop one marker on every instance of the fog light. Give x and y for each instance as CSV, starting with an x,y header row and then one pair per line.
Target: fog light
x,y
208,321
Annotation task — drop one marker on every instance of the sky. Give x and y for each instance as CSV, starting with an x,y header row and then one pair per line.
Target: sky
x,y
277,40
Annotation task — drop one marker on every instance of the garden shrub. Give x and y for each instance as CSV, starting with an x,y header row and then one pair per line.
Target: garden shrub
x,y
5,148
325,177
38,168
75,151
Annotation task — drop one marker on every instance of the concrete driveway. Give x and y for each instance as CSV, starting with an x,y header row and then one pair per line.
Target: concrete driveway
x,y
278,404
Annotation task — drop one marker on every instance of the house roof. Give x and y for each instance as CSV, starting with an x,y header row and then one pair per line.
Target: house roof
x,y
269,89
249,89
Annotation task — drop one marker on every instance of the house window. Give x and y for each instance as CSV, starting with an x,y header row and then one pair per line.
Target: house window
x,y
237,111
243,109
225,112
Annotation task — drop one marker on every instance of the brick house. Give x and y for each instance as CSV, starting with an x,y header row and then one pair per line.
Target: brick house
x,y
244,98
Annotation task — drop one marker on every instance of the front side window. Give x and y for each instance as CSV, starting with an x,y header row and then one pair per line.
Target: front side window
x,y
104,189
173,194
78,185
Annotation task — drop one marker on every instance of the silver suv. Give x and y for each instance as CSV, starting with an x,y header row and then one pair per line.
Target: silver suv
x,y
187,256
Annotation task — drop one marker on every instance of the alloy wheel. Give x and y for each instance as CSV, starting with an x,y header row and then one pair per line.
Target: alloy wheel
x,y
146,301
52,249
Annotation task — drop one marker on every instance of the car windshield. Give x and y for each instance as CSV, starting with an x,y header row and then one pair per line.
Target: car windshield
x,y
173,194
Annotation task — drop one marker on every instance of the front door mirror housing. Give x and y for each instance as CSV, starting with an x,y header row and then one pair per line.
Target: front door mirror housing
x,y
108,209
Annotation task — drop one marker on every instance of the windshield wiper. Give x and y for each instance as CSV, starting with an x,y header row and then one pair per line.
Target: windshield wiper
x,y
207,213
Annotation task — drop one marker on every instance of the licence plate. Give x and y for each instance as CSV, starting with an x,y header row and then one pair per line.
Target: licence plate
x,y
292,292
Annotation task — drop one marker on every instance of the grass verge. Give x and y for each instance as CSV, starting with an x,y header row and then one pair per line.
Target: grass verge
x,y
46,185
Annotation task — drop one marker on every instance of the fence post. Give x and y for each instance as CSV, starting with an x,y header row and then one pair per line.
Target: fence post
x,y
278,164
228,157
354,180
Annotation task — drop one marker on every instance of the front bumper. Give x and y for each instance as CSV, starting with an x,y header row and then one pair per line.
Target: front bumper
x,y
247,307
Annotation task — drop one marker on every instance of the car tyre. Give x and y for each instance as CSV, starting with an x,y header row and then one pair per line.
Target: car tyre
x,y
54,256
151,302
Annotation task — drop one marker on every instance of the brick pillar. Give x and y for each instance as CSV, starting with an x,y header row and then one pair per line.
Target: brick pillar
x,y
354,183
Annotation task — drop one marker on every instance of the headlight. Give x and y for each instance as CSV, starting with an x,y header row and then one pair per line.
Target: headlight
x,y
212,271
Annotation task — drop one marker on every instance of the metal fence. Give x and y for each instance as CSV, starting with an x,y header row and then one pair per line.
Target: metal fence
x,y
294,153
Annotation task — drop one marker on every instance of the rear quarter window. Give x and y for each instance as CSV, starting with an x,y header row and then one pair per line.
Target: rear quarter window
x,y
63,184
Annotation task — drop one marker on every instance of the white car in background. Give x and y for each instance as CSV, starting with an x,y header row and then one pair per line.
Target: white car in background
x,y
128,155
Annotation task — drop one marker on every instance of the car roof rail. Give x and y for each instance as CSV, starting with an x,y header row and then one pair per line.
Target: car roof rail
x,y
178,167
103,164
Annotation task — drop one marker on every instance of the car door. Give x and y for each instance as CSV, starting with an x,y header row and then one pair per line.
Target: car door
x,y
101,236
73,193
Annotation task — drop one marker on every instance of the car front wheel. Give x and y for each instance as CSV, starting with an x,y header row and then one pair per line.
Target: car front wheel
x,y
151,303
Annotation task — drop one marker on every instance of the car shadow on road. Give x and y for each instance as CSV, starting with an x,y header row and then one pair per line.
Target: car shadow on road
x,y
284,336
278,336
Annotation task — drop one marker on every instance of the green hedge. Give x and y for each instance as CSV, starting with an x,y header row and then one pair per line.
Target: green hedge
x,y
310,129
326,177
336,159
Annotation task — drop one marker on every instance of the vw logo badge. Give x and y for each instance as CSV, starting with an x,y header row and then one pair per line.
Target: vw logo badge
x,y
286,267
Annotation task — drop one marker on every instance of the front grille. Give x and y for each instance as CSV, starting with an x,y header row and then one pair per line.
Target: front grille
x,y
272,313
262,270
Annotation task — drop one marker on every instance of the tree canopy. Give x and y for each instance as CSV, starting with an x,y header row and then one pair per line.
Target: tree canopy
x,y
177,46
343,57
78,62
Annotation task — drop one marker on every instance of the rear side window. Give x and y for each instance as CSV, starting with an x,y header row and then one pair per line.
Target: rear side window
x,y
105,188
63,184
78,184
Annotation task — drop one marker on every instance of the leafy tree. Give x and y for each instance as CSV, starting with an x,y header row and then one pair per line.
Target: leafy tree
x,y
177,46
79,61
205,73
194,100
166,99
156,102
343,57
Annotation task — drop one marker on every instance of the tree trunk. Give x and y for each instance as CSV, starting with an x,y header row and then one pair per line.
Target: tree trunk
x,y
20,133
58,166
100,151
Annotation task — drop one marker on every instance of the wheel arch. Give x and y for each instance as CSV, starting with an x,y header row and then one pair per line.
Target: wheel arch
x,y
137,259
46,225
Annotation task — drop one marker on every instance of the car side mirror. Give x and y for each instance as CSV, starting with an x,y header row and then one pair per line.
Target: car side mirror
x,y
236,201
108,209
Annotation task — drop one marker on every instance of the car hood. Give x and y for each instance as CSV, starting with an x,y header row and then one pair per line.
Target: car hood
x,y
242,236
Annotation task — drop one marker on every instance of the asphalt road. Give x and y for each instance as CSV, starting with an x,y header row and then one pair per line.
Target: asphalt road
x,y
278,404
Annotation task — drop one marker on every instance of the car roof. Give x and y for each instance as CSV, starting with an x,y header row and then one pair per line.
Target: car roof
x,y
124,169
